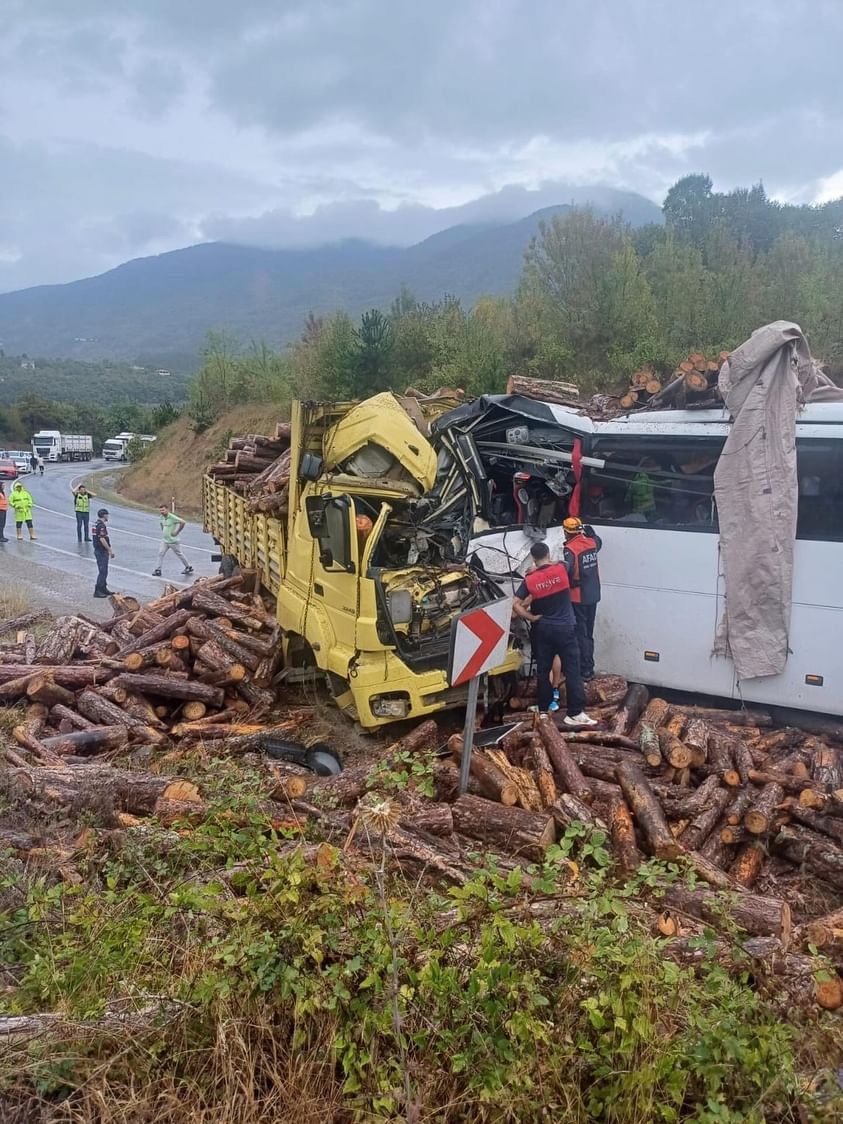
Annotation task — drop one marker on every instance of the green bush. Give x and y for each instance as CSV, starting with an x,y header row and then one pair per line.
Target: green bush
x,y
305,980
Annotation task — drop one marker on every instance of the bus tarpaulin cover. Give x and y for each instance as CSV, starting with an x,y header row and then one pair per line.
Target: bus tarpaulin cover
x,y
763,384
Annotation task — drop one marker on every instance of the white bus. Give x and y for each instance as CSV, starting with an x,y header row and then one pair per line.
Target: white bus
x,y
652,503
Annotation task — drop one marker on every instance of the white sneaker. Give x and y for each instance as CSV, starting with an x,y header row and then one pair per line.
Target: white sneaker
x,y
581,719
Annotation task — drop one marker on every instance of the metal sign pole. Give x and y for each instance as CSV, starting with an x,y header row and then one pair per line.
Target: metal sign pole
x,y
468,732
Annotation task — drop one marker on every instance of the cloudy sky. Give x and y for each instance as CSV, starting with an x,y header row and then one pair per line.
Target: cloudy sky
x,y
129,127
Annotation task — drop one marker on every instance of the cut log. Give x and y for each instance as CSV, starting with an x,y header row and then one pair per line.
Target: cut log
x,y
543,770
759,818
529,796
673,750
827,931
60,713
737,717
106,713
648,812
91,786
696,739
417,813
226,677
14,689
648,739
169,687
44,689
28,736
814,853
568,810
747,865
59,644
568,773
825,825
162,631
624,843
88,741
493,783
631,709
545,390
23,621
193,711
207,601
826,768
761,916
704,824
520,833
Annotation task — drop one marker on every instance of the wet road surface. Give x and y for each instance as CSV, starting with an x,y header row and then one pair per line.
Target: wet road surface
x,y
58,572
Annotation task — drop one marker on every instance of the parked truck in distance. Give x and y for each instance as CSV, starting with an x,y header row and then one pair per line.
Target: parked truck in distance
x,y
116,448
55,446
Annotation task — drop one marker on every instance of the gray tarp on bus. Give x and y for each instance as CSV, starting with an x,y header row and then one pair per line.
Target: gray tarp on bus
x,y
763,384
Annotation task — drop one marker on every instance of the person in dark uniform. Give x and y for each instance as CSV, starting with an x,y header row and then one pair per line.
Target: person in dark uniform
x,y
582,546
102,552
544,599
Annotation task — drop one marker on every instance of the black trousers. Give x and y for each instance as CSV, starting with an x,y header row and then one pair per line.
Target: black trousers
x,y
550,640
2,523
82,520
585,615
102,567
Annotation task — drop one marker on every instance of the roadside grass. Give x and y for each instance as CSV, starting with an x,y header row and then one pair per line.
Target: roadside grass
x,y
293,980
13,603
98,481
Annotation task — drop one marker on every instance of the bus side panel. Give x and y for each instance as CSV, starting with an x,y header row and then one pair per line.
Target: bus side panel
x,y
659,597
816,629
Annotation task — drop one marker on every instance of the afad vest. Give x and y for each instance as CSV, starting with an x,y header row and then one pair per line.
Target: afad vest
x,y
547,581
83,503
585,577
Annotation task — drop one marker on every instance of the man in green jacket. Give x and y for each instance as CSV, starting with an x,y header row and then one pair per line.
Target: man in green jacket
x,y
172,526
82,506
21,501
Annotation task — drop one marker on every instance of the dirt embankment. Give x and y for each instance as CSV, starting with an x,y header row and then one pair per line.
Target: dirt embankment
x,y
174,466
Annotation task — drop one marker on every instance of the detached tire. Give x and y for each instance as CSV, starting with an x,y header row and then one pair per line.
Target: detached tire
x,y
229,566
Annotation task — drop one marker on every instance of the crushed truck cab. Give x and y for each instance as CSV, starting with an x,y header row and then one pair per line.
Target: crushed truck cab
x,y
366,587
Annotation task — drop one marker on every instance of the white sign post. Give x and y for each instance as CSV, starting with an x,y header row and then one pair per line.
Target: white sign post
x,y
479,641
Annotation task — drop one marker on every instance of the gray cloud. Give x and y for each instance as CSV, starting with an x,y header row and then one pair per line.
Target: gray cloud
x,y
150,122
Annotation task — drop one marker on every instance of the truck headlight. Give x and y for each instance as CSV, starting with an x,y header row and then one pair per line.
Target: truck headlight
x,y
390,706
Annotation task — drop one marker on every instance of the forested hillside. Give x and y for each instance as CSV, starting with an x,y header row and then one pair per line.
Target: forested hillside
x,y
72,380
160,308
596,299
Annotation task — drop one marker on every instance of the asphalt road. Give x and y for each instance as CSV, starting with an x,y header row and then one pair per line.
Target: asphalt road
x,y
59,573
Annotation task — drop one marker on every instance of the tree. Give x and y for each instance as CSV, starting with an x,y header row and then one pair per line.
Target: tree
x,y
374,340
689,208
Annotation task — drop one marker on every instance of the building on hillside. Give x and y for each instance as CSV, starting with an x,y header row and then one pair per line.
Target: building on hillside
x,y
27,364
163,372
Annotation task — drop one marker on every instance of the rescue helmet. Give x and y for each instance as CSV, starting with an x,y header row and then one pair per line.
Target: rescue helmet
x,y
572,525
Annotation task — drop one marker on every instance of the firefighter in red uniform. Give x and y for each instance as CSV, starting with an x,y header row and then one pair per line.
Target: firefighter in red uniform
x,y
581,549
544,599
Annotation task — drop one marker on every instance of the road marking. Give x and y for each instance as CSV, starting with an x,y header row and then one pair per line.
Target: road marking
x,y
112,566
114,527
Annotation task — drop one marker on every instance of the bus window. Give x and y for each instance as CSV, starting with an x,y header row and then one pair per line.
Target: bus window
x,y
820,467
658,481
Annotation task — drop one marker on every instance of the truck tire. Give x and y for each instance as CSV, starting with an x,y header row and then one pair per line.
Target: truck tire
x,y
229,566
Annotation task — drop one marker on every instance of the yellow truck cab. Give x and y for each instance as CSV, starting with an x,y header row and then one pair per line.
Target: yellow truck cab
x,y
364,590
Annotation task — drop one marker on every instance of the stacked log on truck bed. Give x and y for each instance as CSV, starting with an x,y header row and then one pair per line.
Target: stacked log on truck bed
x,y
258,466
194,663
693,385
750,815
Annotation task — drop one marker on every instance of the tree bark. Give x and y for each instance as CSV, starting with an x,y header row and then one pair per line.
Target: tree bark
x,y
702,825
817,855
206,601
44,689
59,644
826,767
418,813
92,785
162,631
761,916
673,750
88,741
648,812
747,865
624,843
631,709
73,718
521,833
759,818
24,620
543,771
567,771
493,783
171,688
106,713
545,390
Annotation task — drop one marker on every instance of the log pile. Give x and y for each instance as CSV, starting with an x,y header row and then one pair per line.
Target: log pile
x,y
258,467
545,390
750,813
693,385
194,664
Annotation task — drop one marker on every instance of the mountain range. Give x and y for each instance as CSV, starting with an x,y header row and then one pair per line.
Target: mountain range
x,y
159,309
